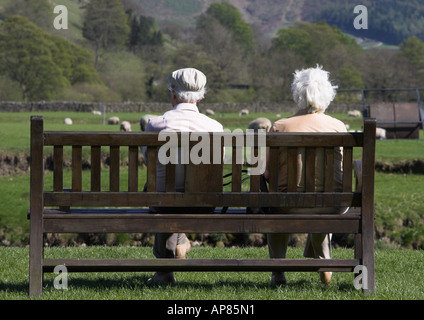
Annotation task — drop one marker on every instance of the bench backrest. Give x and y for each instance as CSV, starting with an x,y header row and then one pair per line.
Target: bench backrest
x,y
203,183
400,120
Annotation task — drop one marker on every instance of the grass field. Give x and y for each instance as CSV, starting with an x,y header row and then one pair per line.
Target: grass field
x,y
399,276
399,222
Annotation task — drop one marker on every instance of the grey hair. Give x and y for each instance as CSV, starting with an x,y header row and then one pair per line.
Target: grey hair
x,y
312,90
188,96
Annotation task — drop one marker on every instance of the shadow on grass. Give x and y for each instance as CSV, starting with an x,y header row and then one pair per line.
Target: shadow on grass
x,y
13,287
139,282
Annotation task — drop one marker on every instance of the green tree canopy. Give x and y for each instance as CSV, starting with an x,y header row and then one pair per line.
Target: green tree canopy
x,y
42,64
313,41
39,12
230,17
144,31
105,24
413,50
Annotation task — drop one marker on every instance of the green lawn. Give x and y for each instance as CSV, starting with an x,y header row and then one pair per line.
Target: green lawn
x,y
399,275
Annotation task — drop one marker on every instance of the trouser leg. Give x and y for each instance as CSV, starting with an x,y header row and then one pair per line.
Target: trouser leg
x,y
277,247
277,244
166,243
318,245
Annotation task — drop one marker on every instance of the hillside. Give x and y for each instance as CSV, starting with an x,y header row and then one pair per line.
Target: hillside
x,y
390,21
268,15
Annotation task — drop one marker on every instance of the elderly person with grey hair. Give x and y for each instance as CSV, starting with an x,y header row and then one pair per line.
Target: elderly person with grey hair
x,y
312,92
187,88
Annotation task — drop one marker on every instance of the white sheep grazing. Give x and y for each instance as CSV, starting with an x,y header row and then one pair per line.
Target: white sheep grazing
x,y
113,120
260,123
210,112
96,113
144,120
354,113
67,121
380,133
125,126
244,112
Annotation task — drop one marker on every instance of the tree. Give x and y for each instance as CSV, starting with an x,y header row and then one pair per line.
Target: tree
x,y
105,24
230,17
144,32
350,78
314,41
39,12
42,64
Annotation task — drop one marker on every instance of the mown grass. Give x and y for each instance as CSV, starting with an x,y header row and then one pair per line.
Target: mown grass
x,y
399,276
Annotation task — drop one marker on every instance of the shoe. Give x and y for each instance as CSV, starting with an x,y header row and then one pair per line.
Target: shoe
x,y
182,249
162,278
278,279
325,277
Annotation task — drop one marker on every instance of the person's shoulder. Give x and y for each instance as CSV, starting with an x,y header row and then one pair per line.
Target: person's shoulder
x,y
336,123
213,124
155,123
279,125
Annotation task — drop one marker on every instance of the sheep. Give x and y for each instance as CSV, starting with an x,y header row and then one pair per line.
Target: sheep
x,y
354,113
96,113
244,112
113,120
144,120
260,123
210,112
67,121
125,126
380,133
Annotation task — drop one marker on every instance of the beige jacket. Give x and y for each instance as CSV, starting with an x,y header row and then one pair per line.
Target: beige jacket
x,y
303,122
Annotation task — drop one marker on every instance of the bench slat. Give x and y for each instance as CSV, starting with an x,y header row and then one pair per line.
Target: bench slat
x,y
310,155
214,199
58,168
193,265
90,138
347,169
133,169
95,168
329,170
151,169
137,220
76,168
114,168
236,168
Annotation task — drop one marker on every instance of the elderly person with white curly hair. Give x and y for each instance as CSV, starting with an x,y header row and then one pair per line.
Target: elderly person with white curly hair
x,y
312,92
187,88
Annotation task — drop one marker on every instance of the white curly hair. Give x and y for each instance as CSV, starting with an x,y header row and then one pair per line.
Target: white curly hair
x,y
312,90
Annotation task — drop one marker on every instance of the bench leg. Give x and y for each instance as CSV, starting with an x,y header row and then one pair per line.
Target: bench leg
x,y
35,261
368,259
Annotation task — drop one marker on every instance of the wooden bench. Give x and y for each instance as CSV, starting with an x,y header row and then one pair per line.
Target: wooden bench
x,y
125,211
